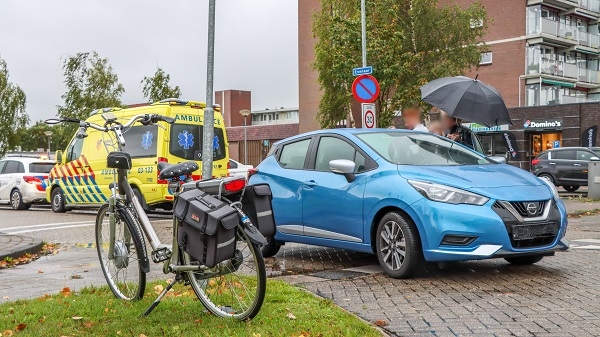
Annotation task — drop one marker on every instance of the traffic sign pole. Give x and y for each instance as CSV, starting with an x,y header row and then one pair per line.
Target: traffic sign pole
x,y
363,20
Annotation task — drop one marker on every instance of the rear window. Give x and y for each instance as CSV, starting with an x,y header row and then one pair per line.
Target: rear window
x,y
40,167
186,142
543,156
141,141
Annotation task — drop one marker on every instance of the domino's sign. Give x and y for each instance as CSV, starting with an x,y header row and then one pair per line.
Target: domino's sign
x,y
554,123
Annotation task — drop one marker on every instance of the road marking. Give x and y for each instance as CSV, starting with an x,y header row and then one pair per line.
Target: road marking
x,y
589,247
587,240
45,225
47,229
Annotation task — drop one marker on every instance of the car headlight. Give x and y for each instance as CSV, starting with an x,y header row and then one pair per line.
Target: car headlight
x,y
447,194
551,186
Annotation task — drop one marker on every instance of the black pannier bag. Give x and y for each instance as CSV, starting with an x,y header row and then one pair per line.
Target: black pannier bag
x,y
206,227
119,160
257,205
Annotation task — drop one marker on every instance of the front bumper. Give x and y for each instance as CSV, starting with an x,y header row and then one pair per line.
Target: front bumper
x,y
490,231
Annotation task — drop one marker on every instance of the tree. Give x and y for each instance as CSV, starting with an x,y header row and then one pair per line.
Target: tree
x,y
12,111
91,84
157,88
409,43
33,137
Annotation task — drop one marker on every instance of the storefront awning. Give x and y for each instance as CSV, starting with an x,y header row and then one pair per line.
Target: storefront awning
x,y
562,84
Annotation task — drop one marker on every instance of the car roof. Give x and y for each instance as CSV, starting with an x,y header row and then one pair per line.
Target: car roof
x,y
347,132
28,160
570,148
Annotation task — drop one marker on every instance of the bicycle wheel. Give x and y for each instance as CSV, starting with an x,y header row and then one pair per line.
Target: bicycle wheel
x,y
123,273
240,289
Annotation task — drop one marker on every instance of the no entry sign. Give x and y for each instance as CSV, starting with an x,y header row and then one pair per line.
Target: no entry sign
x,y
368,116
365,89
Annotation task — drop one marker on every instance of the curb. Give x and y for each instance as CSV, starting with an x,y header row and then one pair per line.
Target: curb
x,y
34,247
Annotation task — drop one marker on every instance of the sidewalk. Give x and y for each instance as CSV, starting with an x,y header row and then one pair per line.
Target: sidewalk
x,y
16,245
574,205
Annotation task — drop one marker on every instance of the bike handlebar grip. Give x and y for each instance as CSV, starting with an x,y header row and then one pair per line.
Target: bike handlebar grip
x,y
167,119
72,120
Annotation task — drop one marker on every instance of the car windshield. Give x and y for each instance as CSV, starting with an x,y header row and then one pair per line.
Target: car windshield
x,y
404,148
40,167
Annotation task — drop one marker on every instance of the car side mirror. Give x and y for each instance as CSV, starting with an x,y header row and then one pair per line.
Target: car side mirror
x,y
595,159
498,159
59,157
345,167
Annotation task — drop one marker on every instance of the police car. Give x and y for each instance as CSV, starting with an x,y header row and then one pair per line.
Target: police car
x,y
23,180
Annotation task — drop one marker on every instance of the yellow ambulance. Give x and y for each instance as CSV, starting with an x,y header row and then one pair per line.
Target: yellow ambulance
x,y
80,178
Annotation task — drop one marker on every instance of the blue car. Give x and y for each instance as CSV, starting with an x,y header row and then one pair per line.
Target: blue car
x,y
408,197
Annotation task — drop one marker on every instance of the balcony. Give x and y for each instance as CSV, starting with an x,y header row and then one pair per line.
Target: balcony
x,y
275,121
546,66
560,34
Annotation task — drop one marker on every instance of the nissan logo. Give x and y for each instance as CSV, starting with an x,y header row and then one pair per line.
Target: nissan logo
x,y
531,208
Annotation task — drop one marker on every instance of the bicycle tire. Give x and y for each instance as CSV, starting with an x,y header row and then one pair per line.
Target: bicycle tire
x,y
224,305
126,223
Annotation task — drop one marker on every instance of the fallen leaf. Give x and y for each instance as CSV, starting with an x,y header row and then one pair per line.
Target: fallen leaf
x,y
119,332
290,315
20,327
7,333
66,291
5,297
77,318
380,322
88,324
158,288
40,272
106,310
142,335
199,321
76,277
256,335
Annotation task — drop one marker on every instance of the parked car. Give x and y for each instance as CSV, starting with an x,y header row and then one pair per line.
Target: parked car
x,y
23,180
566,167
237,169
407,197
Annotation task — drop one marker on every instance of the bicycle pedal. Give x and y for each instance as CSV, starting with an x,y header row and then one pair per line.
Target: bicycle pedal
x,y
161,254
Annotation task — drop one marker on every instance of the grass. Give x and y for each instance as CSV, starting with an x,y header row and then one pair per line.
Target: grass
x,y
287,311
579,214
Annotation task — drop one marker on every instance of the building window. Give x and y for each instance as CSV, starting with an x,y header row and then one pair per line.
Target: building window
x,y
486,58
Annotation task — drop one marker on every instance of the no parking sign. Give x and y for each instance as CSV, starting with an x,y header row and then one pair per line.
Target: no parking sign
x,y
369,120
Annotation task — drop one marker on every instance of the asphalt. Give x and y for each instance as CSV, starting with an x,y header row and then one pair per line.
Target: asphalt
x,y
17,245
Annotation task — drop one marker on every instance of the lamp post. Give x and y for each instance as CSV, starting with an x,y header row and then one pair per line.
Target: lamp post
x,y
245,113
49,135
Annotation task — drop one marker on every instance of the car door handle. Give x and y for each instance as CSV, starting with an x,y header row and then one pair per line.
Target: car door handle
x,y
552,163
311,183
576,164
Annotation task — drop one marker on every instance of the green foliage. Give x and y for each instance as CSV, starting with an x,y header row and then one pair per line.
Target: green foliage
x,y
157,88
409,43
91,84
33,137
12,111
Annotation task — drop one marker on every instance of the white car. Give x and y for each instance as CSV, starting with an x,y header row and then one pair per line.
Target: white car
x,y
23,180
237,169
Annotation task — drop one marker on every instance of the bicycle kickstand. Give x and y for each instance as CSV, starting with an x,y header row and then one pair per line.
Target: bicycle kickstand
x,y
160,296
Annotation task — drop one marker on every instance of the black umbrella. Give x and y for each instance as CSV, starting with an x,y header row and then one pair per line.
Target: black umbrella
x,y
468,99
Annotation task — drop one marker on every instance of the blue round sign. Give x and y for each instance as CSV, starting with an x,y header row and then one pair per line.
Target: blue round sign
x,y
365,88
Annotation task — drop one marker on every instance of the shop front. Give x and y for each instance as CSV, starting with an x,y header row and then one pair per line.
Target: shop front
x,y
543,134
492,138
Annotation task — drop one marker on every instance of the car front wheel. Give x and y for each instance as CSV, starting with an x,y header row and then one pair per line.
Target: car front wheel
x,y
58,201
523,260
398,246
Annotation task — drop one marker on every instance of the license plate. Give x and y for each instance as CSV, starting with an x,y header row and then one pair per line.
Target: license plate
x,y
525,232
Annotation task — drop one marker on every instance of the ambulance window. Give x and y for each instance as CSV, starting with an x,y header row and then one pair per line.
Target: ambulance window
x,y
141,141
74,149
186,142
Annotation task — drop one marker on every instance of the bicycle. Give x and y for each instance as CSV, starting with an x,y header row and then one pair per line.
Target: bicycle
x,y
232,288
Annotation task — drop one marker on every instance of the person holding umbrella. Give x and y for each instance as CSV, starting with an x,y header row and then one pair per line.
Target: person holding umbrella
x,y
457,132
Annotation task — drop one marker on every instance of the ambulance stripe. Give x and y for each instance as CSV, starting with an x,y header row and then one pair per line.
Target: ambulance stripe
x,y
96,197
68,199
87,197
63,171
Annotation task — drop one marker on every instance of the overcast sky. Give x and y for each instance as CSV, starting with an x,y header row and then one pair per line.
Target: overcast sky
x,y
255,49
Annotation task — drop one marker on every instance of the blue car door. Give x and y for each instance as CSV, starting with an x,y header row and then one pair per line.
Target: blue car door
x,y
286,178
332,207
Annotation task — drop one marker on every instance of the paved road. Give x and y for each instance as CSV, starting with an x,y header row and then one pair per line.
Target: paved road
x,y
560,296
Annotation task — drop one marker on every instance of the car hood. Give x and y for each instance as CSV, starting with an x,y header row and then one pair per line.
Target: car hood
x,y
498,181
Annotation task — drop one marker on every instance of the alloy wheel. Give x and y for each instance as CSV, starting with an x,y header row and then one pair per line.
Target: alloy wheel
x,y
393,245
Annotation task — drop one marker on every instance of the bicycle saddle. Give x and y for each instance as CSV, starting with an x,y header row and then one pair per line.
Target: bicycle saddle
x,y
169,171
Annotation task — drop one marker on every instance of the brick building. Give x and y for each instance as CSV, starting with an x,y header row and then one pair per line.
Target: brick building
x,y
543,57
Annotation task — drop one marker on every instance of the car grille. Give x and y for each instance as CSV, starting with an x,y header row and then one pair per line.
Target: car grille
x,y
528,233
529,208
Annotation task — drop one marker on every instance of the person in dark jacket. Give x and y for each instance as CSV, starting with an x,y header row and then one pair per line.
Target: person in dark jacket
x,y
458,133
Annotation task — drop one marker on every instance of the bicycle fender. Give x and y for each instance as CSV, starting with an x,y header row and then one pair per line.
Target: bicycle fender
x,y
255,236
